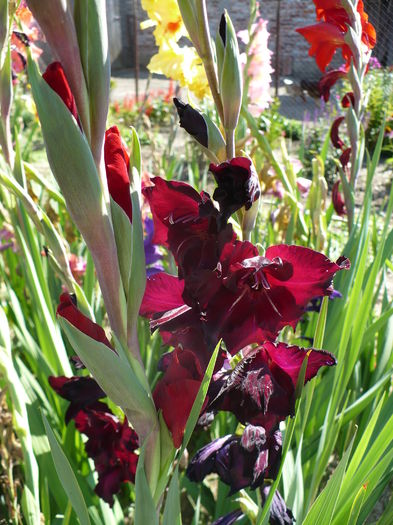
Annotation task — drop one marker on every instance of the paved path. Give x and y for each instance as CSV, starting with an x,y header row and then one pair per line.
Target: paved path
x,y
292,105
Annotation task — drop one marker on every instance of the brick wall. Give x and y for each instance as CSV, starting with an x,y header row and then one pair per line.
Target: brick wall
x,y
293,59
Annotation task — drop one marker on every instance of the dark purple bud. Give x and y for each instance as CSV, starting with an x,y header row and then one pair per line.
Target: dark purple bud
x,y
279,512
192,121
230,518
203,463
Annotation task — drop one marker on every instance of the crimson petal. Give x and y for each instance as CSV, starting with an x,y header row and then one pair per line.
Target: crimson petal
x,y
55,77
117,164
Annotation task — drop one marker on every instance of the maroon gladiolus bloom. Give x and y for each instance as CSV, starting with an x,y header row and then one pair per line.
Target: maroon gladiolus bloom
x,y
176,391
188,223
117,163
328,80
348,100
247,298
334,137
237,185
337,199
82,392
238,463
57,80
70,312
111,444
261,388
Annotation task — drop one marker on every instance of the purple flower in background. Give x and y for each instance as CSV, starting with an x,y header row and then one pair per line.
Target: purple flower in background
x,y
153,253
374,63
6,239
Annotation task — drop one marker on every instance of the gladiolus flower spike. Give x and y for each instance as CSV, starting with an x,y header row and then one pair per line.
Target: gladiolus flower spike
x,y
224,289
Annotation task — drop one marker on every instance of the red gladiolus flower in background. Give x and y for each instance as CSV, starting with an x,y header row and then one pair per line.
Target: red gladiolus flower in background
x,y
117,163
338,201
329,35
55,77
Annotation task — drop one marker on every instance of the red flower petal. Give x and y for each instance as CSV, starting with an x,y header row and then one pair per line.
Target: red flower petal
x,y
163,292
55,77
325,38
178,388
338,201
70,312
312,272
171,202
117,165
290,359
335,139
327,82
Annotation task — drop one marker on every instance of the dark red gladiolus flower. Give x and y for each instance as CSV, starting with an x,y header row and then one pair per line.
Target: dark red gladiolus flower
x,y
237,185
117,163
70,312
82,392
334,137
246,299
325,38
261,388
345,157
239,462
55,77
338,201
327,82
176,391
348,100
111,444
188,223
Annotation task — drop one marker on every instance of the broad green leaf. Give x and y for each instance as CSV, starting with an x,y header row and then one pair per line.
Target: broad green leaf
x,y
67,476
114,374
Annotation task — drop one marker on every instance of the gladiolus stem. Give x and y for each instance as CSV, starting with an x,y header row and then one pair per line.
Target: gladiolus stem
x,y
230,140
206,55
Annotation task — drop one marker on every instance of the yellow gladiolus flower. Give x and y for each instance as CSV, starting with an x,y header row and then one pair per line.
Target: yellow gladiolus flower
x,y
183,65
167,19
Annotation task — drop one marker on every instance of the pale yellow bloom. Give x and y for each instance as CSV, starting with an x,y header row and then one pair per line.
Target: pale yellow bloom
x,y
183,65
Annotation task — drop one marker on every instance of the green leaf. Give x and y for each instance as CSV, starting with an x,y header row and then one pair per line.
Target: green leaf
x,y
322,510
145,509
172,512
67,476
200,399
113,373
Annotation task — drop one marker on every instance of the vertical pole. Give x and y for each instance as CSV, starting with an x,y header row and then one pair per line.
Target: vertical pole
x,y
136,48
277,57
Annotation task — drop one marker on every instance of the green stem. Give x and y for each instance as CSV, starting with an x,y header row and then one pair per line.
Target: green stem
x,y
206,55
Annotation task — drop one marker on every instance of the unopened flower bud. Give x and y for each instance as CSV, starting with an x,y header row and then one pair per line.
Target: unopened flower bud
x,y
201,128
229,72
